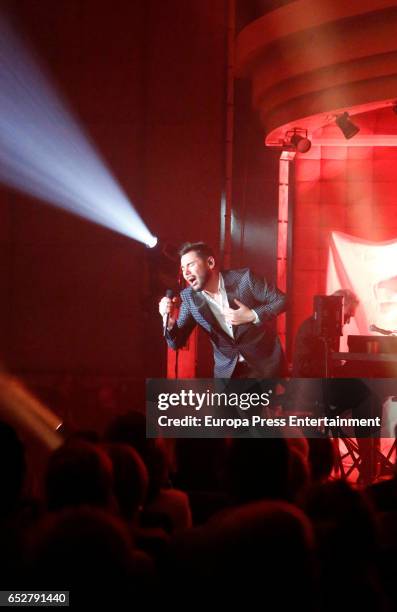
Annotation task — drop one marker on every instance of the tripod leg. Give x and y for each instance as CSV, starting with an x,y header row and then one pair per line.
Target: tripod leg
x,y
338,463
367,467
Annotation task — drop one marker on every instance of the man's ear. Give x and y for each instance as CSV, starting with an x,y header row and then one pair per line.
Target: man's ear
x,y
211,262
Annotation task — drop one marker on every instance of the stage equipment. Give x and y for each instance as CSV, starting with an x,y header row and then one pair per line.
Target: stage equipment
x,y
328,316
385,332
301,144
297,140
346,126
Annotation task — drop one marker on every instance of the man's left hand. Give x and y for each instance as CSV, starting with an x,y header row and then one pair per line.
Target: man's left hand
x,y
240,316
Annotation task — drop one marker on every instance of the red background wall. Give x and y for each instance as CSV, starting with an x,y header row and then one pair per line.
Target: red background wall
x,y
146,80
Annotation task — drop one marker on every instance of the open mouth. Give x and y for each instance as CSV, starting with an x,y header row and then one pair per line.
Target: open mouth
x,y
192,280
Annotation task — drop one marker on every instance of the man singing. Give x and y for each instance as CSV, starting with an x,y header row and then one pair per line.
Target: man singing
x,y
235,308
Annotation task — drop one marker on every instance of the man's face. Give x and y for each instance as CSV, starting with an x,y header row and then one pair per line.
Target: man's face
x,y
196,271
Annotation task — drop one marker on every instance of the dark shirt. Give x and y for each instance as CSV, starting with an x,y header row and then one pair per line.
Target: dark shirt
x,y
309,359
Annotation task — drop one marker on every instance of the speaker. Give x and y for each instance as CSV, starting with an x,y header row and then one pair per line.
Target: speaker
x,y
328,315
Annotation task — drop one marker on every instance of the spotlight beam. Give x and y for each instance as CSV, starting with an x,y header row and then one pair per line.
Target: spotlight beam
x,y
45,153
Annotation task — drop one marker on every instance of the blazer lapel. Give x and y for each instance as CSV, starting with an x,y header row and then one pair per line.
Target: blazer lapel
x,y
232,292
231,287
204,314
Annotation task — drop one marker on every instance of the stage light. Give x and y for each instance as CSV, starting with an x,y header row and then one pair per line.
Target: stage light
x,y
152,243
346,126
301,143
296,140
45,153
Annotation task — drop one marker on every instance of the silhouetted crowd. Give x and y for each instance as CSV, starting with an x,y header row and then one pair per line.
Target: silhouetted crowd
x,y
122,518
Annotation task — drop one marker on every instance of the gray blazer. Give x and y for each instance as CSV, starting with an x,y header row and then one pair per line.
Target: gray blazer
x,y
258,344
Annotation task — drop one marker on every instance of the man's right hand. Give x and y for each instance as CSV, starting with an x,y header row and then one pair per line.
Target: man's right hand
x,y
167,306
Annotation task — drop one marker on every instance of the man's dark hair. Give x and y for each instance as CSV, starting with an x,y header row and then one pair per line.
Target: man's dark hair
x,y
350,298
202,249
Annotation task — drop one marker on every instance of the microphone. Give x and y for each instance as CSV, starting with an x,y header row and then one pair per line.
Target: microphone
x,y
169,294
385,332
